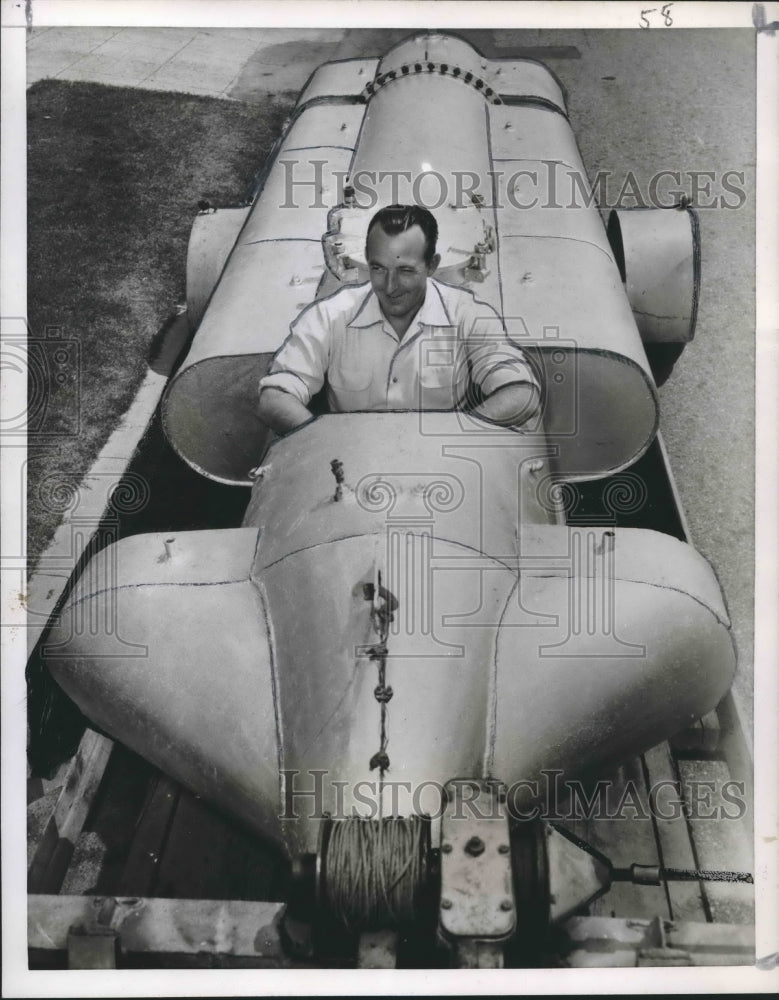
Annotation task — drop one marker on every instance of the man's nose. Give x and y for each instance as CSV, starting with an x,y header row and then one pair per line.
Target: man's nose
x,y
392,282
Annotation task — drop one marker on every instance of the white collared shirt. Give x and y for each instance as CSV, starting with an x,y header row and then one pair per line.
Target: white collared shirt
x,y
345,337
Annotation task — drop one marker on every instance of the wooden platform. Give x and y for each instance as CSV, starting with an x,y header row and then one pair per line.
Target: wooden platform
x,y
120,828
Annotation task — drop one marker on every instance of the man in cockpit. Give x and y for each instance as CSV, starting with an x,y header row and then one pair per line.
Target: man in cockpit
x,y
406,342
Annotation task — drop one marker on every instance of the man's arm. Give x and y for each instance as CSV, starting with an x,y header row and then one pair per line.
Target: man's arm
x,y
297,372
509,388
282,411
511,405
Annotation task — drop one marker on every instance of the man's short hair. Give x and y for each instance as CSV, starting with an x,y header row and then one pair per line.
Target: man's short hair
x,y
395,219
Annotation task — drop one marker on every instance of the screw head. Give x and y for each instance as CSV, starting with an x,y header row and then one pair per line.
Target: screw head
x,y
446,904
446,848
503,848
506,904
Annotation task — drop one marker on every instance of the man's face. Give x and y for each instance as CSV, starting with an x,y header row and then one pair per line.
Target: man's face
x,y
398,270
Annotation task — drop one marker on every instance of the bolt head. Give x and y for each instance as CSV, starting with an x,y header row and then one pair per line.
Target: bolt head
x,y
475,847
446,904
506,904
503,848
446,848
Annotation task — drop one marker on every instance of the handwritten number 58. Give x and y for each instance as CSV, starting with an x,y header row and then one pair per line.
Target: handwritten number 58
x,y
664,13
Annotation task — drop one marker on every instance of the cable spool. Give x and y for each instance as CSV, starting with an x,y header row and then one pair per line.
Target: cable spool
x,y
373,872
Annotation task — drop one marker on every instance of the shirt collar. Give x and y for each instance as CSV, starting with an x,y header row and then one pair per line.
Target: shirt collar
x,y
432,313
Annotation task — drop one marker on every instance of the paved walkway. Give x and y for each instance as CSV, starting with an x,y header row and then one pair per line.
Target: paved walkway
x,y
212,62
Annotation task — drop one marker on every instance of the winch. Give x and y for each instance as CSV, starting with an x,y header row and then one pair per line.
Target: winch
x,y
490,891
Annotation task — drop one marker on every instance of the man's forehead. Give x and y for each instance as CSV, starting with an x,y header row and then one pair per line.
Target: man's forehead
x,y
408,245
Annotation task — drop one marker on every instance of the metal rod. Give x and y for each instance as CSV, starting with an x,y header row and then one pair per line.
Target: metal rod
x,y
654,875
694,875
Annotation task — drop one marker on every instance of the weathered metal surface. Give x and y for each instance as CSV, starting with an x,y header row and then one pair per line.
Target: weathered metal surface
x,y
506,77
593,615
274,269
165,645
475,954
477,897
445,137
213,236
659,256
210,409
461,480
342,79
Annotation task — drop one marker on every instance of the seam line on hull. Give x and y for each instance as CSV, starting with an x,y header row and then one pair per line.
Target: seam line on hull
x,y
496,229
498,560
262,597
492,720
570,239
642,583
281,239
150,586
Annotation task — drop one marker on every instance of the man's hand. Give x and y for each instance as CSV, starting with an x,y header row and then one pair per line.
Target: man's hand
x,y
510,406
282,411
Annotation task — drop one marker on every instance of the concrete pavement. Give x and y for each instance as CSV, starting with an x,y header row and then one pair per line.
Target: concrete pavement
x,y
213,62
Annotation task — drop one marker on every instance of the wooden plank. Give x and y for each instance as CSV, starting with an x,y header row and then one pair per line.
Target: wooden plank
x,y
686,898
140,870
152,927
52,856
208,855
625,834
721,838
735,746
105,843
599,942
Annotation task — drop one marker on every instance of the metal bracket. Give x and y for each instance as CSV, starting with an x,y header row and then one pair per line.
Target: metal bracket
x,y
477,896
663,954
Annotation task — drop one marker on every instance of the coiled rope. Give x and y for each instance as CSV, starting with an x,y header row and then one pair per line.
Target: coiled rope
x,y
373,870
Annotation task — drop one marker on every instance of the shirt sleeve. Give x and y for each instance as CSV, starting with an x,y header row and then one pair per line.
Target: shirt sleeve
x,y
495,361
299,365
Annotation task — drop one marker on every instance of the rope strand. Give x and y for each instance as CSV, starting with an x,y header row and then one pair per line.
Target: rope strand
x,y
375,869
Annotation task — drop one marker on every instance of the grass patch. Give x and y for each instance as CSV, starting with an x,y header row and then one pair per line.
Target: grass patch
x,y
114,179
